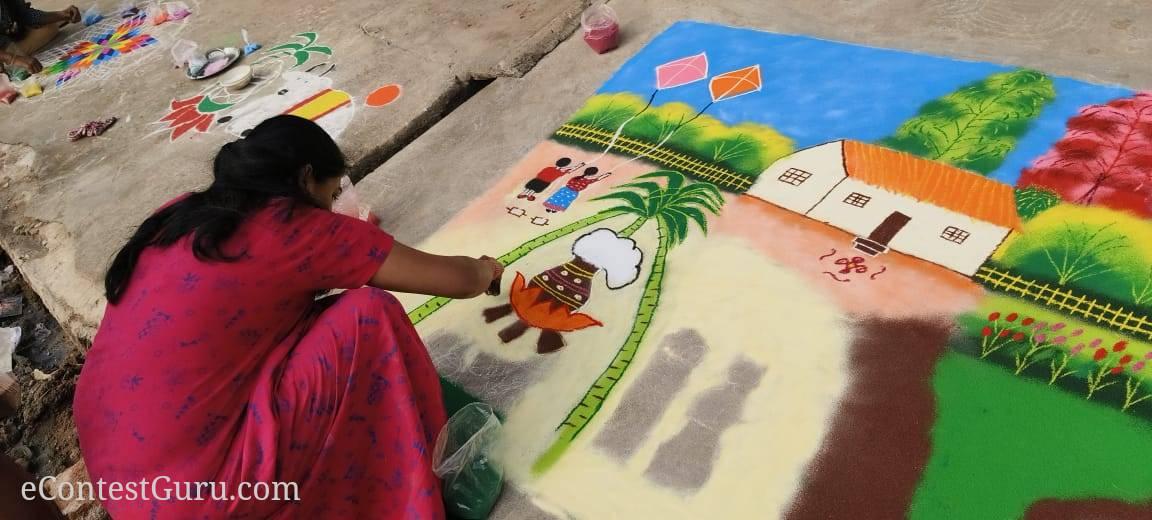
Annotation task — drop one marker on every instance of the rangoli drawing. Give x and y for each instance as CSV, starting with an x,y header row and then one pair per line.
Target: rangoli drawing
x,y
770,276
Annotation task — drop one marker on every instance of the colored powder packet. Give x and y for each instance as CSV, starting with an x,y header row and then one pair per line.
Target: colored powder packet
x,y
11,306
31,88
472,482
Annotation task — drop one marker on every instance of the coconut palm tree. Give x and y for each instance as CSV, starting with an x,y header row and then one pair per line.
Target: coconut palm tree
x,y
634,206
631,203
672,205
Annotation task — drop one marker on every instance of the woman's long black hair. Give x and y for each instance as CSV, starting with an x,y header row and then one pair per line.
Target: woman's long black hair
x,y
248,173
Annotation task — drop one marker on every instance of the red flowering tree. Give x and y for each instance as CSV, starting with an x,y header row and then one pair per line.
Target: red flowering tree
x,y
1104,158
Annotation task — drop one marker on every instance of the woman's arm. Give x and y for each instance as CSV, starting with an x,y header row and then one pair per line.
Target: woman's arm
x,y
33,17
413,271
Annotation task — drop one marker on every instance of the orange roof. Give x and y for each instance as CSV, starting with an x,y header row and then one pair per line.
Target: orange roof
x,y
936,183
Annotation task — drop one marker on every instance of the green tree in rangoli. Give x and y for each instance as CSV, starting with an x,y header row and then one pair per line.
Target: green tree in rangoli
x,y
1032,201
672,206
633,205
976,126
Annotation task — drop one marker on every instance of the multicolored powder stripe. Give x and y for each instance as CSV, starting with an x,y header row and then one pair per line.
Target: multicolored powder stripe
x,y
124,39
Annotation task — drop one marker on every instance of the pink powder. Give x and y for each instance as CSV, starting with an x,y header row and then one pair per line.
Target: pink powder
x,y
603,39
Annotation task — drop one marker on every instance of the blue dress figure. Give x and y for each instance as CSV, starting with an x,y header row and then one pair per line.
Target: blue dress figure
x,y
564,197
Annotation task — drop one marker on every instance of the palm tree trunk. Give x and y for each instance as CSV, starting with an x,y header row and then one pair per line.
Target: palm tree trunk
x,y
434,304
594,398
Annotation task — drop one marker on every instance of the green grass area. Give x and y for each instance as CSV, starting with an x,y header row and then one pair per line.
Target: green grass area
x,y
1002,442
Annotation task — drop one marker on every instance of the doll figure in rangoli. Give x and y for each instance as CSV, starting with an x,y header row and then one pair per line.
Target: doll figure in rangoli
x,y
303,94
550,300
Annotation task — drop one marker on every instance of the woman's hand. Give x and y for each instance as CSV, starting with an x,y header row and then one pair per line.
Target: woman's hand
x,y
496,267
413,271
32,65
69,15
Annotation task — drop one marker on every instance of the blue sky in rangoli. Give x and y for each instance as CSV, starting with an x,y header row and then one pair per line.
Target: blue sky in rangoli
x,y
816,91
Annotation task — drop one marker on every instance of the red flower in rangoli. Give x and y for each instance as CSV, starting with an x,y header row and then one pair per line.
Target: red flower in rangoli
x,y
1004,333
1117,370
1119,346
1100,354
994,316
986,331
1027,322
1018,336
185,116
1012,317
1126,359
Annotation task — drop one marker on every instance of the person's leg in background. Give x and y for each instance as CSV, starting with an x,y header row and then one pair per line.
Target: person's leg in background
x,y
13,478
13,505
37,38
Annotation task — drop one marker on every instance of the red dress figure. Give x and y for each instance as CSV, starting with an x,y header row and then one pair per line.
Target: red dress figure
x,y
546,177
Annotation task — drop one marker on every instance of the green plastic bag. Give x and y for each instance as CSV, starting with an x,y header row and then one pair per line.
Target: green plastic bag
x,y
472,482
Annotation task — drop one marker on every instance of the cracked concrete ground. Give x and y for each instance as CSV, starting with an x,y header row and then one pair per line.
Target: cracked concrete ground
x,y
65,207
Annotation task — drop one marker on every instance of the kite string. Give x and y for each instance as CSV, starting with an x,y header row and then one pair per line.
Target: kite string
x,y
620,129
662,141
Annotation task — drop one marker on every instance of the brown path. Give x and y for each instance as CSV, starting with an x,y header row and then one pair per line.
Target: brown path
x,y
1088,509
879,440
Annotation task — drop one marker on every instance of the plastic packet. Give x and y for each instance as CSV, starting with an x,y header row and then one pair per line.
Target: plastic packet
x,y
249,45
601,28
184,51
91,16
349,204
31,87
8,91
177,11
472,482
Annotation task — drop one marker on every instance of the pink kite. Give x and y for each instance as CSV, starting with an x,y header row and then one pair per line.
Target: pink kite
x,y
735,83
682,71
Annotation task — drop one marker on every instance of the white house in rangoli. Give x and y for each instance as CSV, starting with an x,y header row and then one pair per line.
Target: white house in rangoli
x,y
894,200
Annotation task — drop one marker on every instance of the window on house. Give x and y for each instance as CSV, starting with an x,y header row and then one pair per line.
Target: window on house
x,y
954,234
858,199
794,176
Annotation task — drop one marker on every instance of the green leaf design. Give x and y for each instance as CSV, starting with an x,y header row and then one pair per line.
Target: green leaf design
x,y
301,57
677,225
674,180
291,47
651,187
696,215
207,106
976,126
635,203
310,36
319,49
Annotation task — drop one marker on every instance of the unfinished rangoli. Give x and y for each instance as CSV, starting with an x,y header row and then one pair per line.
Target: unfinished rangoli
x,y
764,276
108,49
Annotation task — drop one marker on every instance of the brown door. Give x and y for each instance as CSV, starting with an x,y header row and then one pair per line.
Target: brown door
x,y
888,229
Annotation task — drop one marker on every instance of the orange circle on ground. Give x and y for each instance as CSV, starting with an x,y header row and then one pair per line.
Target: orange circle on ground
x,y
383,96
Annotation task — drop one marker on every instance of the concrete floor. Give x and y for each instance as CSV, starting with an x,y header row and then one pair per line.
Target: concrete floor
x,y
67,206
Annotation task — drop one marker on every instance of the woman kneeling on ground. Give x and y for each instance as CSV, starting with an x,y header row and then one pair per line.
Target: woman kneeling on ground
x,y
25,30
215,362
